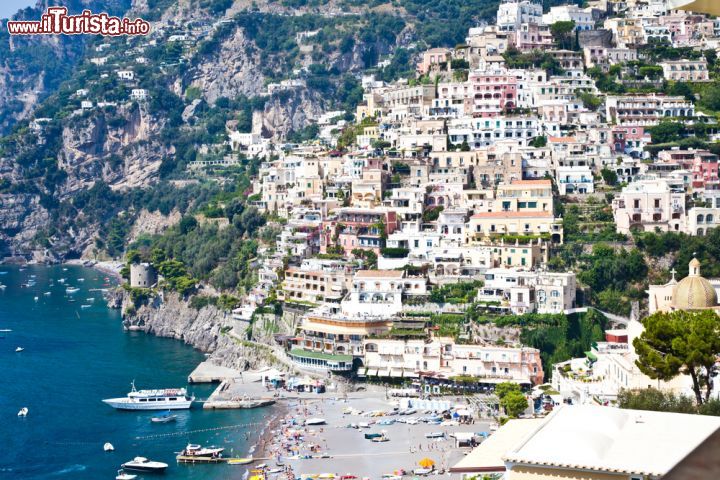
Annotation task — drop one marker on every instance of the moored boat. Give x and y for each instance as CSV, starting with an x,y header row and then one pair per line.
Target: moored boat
x,y
164,418
165,399
198,451
142,464
121,475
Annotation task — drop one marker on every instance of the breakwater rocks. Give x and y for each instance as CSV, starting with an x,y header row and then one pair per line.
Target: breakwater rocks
x,y
207,329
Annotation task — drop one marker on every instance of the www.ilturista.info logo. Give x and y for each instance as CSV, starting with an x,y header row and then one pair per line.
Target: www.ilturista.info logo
x,y
57,21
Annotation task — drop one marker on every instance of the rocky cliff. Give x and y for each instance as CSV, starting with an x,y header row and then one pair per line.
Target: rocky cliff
x,y
207,329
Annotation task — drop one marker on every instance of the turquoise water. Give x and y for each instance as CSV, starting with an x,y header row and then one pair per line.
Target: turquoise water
x,y
73,358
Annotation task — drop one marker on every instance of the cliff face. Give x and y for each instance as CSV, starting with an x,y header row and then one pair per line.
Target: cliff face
x,y
231,71
116,147
21,216
167,315
291,113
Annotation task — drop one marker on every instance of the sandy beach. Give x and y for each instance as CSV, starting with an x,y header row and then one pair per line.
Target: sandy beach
x,y
337,448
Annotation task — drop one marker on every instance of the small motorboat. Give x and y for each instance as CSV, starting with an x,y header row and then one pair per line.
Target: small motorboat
x,y
19,349
108,447
142,464
121,475
164,418
193,450
239,461
23,412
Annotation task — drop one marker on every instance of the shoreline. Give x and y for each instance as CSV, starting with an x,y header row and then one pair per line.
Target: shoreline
x,y
109,268
261,449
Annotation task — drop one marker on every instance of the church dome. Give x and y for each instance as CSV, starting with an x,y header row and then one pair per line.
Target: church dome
x,y
694,292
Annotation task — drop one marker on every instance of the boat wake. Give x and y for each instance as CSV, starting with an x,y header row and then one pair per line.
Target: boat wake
x,y
69,469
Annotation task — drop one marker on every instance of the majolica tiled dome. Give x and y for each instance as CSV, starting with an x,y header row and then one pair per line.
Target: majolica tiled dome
x,y
694,292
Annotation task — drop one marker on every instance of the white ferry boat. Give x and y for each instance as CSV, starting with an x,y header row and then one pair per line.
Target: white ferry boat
x,y
166,399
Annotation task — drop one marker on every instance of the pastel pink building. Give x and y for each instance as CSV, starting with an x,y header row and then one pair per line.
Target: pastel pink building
x,y
492,93
629,140
704,169
357,228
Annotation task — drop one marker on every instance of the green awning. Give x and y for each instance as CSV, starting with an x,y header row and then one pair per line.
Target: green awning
x,y
328,357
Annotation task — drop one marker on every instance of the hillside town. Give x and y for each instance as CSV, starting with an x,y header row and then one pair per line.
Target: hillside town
x,y
445,201
447,195
441,242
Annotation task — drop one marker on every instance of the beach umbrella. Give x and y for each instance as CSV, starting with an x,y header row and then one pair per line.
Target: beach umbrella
x,y
426,462
711,7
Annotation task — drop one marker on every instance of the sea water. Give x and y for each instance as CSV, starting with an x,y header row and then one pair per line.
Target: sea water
x,y
74,357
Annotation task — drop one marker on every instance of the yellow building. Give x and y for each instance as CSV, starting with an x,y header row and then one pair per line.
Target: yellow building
x,y
489,225
524,196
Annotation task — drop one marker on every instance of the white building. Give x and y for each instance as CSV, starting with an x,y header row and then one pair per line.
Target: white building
x,y
125,74
443,357
513,13
523,291
570,13
380,292
650,204
574,179
139,94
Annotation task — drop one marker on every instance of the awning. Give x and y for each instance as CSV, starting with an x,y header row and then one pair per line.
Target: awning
x,y
700,6
328,357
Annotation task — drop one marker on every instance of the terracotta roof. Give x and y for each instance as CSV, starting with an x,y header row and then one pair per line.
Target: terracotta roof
x,y
512,215
379,273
